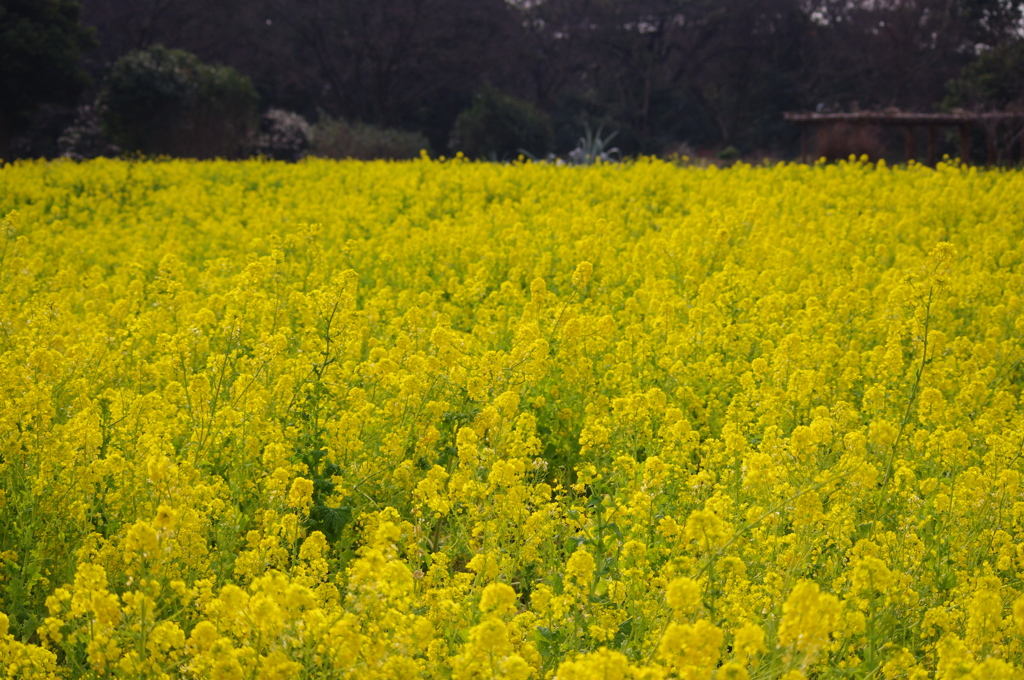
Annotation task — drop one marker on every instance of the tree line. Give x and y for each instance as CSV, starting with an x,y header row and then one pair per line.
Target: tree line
x,y
666,75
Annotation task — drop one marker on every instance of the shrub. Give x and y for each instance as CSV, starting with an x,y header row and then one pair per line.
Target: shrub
x,y
729,154
500,127
283,136
161,101
338,138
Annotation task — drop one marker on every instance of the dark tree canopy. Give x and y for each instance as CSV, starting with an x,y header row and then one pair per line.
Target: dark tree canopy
x,y
161,101
41,42
994,81
710,73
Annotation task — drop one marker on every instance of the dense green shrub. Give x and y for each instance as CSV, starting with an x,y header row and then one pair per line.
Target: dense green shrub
x,y
162,101
500,127
338,138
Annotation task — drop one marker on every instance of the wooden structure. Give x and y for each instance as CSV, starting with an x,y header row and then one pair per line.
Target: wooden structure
x,y
909,121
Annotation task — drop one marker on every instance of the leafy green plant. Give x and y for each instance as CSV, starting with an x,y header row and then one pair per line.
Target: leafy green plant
x,y
593,148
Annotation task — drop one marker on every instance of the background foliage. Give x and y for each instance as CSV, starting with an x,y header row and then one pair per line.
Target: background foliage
x,y
167,102
500,127
661,72
40,45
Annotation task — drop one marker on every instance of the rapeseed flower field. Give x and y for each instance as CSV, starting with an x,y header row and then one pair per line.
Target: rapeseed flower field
x,y
459,420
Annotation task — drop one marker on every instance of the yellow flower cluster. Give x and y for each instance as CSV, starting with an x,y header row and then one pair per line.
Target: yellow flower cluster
x,y
457,420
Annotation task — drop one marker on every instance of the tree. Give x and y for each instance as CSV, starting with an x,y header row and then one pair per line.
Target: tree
x,y
247,35
712,71
41,42
399,63
162,101
993,81
900,53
